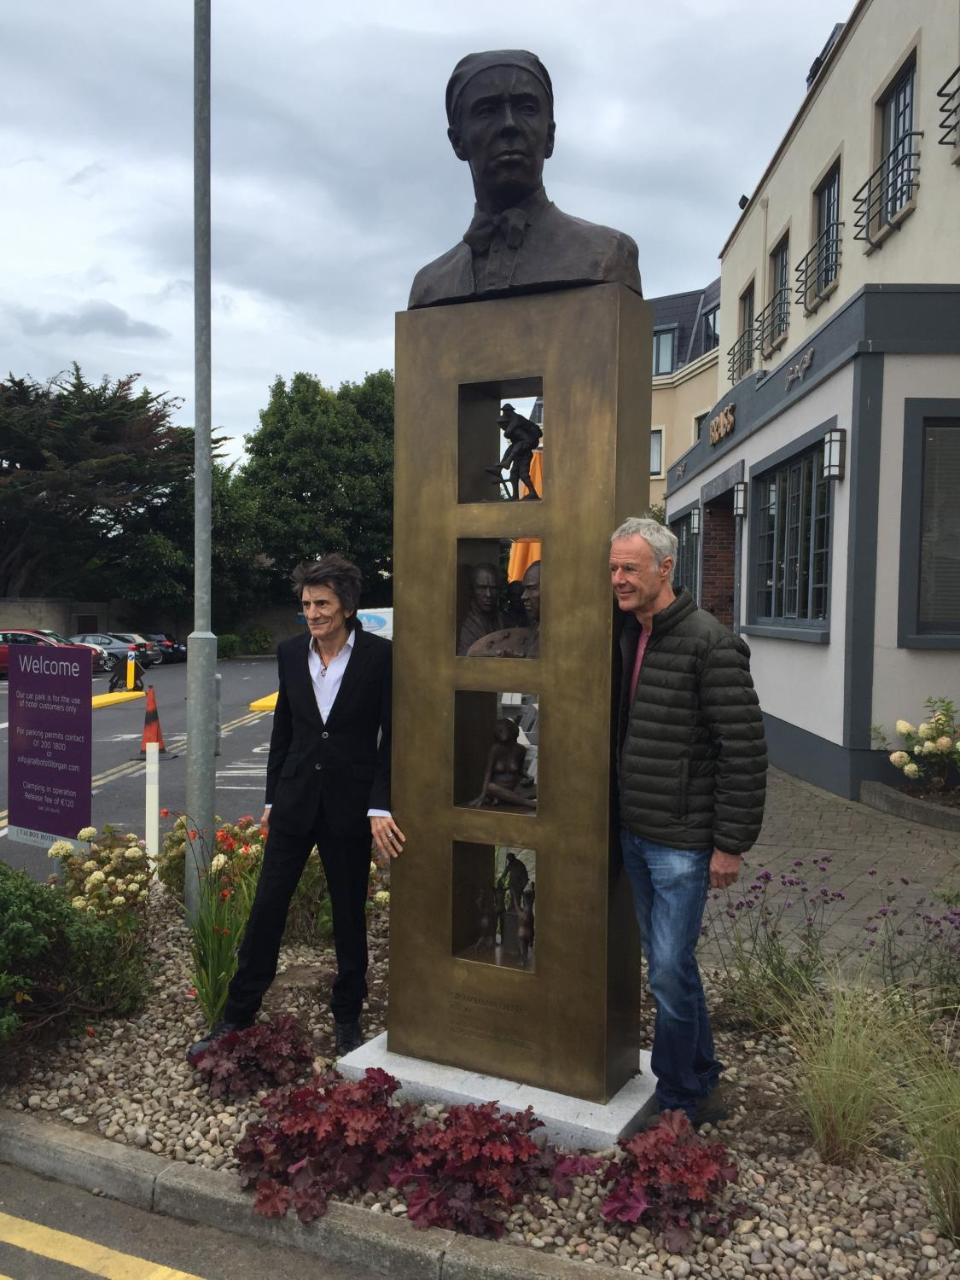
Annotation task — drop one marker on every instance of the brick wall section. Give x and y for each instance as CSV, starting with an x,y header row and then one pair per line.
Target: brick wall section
x,y
719,539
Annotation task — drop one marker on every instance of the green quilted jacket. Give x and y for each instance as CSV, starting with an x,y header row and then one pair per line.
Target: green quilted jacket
x,y
693,760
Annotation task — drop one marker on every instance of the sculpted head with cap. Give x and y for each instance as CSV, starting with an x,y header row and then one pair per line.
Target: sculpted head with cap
x,y
500,115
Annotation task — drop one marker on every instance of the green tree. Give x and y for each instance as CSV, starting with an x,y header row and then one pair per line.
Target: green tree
x,y
156,573
79,463
321,467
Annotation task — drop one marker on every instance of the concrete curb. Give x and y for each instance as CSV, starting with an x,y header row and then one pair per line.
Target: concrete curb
x,y
390,1246
900,804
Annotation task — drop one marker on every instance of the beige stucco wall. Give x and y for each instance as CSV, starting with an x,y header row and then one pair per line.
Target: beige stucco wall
x,y
903,678
840,119
678,399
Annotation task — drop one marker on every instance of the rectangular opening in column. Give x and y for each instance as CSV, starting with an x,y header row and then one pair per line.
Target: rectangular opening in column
x,y
498,597
494,904
495,748
500,441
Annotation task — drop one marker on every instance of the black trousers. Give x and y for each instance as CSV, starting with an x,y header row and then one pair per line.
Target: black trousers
x,y
346,863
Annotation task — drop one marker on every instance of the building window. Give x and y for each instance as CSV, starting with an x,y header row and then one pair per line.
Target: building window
x,y
889,191
663,345
828,229
897,131
699,422
656,451
791,518
740,355
774,320
938,605
685,570
711,334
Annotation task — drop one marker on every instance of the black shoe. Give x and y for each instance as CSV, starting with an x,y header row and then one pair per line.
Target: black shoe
x,y
711,1109
218,1030
349,1037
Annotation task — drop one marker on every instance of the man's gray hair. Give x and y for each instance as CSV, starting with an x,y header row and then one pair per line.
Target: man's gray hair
x,y
662,542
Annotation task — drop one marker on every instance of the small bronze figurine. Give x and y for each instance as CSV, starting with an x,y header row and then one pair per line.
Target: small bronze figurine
x,y
504,781
525,926
516,642
516,876
487,919
484,614
524,436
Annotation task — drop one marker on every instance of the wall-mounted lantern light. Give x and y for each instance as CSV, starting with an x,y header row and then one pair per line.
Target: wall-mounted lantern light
x,y
740,499
695,521
834,453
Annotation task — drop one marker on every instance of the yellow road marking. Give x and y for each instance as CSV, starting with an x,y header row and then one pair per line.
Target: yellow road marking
x,y
77,1252
265,704
111,699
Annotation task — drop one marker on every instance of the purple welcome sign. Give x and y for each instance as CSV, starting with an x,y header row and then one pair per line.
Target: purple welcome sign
x,y
51,722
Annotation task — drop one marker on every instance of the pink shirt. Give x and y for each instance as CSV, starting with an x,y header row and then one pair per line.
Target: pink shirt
x,y
638,662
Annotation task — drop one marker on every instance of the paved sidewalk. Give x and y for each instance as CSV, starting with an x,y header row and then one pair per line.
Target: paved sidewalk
x,y
804,823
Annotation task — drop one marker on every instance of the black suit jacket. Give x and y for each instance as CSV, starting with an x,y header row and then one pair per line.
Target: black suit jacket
x,y
344,762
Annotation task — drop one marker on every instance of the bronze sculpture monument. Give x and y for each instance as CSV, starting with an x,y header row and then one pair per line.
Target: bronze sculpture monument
x,y
516,642
500,117
484,614
505,781
524,436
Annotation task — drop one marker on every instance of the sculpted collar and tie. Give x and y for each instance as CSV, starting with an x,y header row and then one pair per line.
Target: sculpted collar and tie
x,y
509,226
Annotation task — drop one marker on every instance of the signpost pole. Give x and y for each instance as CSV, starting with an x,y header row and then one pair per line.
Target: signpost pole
x,y
152,806
202,643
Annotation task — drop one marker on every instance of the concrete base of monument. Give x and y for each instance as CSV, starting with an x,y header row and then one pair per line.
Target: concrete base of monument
x,y
569,1122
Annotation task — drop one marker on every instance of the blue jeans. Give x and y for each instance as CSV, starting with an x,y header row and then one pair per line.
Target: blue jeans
x,y
669,894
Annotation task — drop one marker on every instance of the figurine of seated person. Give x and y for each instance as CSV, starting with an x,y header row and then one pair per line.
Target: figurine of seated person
x,y
504,781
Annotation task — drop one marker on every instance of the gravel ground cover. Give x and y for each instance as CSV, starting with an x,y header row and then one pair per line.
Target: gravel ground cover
x,y
129,1082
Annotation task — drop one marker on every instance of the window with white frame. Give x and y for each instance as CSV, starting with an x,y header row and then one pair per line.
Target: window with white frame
x,y
656,451
711,333
664,342
790,513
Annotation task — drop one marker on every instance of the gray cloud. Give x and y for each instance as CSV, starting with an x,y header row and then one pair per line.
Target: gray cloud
x,y
333,180
87,318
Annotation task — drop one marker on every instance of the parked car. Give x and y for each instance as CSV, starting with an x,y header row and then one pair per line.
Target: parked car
x,y
148,654
170,650
116,650
100,662
8,638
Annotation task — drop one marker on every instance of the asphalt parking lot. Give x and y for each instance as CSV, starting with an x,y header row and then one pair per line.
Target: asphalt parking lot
x,y
118,772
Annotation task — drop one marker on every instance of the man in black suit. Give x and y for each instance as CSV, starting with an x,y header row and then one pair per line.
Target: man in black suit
x,y
328,784
500,113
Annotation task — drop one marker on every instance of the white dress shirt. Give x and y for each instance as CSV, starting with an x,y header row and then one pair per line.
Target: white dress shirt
x,y
326,685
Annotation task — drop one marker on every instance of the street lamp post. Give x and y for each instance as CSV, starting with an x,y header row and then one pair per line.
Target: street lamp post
x,y
202,643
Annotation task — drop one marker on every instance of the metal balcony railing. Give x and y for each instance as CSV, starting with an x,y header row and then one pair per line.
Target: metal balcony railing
x,y
819,266
889,189
949,95
740,355
773,321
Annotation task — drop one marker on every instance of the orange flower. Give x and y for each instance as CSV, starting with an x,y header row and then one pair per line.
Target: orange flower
x,y
164,813
193,834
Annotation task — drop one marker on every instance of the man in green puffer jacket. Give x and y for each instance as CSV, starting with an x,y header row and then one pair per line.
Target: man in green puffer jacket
x,y
692,777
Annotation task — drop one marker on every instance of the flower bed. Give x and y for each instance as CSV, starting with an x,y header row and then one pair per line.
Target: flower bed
x,y
130,1082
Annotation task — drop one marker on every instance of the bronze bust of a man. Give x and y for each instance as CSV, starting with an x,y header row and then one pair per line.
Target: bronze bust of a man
x,y
500,116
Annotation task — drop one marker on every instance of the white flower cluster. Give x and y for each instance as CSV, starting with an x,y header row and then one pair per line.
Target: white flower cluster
x,y
107,878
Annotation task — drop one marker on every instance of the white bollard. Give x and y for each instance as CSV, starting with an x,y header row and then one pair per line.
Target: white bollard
x,y
152,817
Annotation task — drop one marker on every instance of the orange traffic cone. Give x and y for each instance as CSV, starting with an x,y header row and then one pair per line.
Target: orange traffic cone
x,y
151,725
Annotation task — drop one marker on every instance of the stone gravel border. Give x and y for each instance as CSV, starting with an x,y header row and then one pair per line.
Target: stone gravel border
x,y
347,1233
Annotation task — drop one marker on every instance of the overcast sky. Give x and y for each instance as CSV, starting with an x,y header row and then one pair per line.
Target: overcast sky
x,y
333,180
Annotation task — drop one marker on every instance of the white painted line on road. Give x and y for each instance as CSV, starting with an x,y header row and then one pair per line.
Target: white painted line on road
x,y
4,725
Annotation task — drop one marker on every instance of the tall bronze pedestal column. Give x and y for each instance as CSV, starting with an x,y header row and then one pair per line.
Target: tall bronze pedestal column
x,y
562,1015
